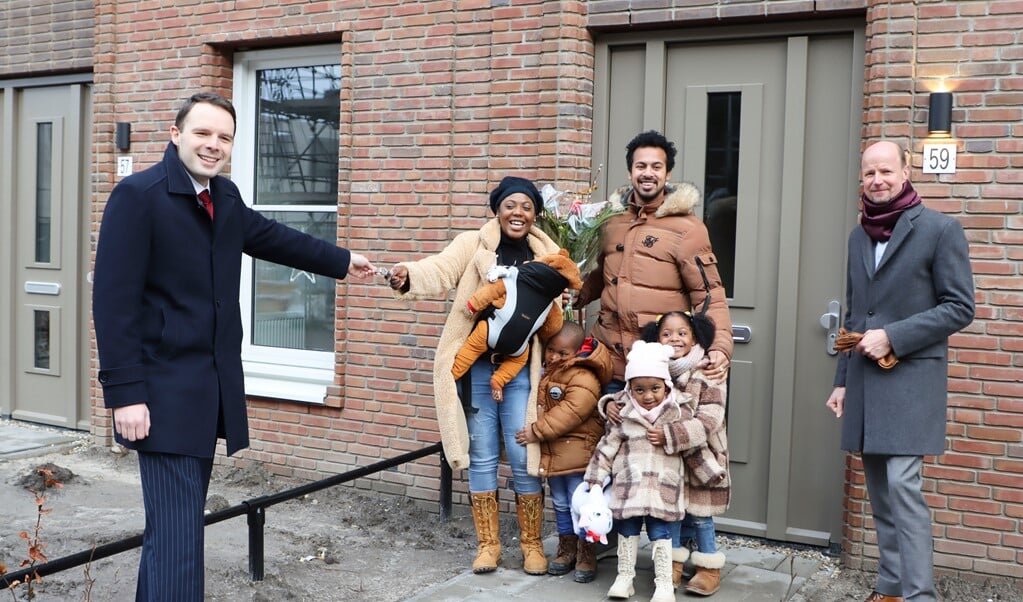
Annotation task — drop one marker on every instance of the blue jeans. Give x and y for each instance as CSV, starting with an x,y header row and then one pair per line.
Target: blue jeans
x,y
655,527
489,421
562,488
697,529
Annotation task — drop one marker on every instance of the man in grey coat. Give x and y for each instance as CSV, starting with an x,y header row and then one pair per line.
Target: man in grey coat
x,y
909,287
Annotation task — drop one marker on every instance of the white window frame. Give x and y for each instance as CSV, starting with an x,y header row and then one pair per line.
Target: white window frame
x,y
274,372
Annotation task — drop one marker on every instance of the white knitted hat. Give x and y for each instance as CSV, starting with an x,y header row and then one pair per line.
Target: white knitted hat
x,y
648,359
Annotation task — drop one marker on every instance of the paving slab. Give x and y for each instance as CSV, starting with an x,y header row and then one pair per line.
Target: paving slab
x,y
19,441
750,575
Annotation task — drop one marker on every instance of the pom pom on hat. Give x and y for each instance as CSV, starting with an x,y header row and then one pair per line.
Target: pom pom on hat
x,y
510,185
649,359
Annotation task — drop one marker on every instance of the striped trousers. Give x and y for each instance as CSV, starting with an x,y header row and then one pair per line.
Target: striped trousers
x,y
174,494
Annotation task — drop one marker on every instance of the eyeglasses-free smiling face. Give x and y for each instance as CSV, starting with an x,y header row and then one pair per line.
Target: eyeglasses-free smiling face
x,y
649,173
516,214
675,331
204,141
648,391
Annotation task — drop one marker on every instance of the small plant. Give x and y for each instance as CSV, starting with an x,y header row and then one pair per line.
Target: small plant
x,y
34,539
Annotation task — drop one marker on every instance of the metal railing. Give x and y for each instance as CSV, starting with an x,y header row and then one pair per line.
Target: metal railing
x,y
255,510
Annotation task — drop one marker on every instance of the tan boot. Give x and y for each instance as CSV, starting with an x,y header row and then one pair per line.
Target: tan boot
x,y
565,559
679,556
707,580
530,511
622,587
661,554
585,562
484,514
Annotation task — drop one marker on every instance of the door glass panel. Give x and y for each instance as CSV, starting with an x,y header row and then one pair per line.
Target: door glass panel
x,y
41,338
721,183
43,190
297,132
292,308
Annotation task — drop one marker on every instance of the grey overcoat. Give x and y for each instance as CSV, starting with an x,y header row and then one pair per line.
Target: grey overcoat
x,y
920,293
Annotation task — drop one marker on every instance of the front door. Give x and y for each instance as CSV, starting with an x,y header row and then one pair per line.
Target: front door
x,y
50,202
767,129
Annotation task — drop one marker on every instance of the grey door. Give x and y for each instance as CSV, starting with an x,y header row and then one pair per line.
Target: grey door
x,y
767,128
51,202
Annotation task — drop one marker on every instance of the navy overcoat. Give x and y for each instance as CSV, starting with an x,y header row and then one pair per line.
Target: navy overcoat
x,y
166,303
920,293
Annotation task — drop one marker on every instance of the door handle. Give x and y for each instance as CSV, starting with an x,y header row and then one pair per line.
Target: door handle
x,y
831,321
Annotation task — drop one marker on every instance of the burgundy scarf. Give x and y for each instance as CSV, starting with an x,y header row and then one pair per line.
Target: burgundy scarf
x,y
879,220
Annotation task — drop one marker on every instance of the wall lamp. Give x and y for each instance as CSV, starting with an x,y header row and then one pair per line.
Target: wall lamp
x,y
939,114
122,135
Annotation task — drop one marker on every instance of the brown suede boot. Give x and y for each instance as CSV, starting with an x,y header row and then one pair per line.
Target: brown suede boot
x,y
585,562
565,559
484,514
530,511
707,580
679,556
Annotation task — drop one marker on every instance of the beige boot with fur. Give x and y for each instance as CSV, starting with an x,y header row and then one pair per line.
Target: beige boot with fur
x,y
707,580
530,511
484,515
679,556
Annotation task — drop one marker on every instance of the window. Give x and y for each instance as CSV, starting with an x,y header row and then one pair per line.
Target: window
x,y
285,164
721,182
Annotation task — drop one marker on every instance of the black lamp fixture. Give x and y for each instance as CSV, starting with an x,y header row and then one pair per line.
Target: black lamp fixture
x,y
122,136
939,114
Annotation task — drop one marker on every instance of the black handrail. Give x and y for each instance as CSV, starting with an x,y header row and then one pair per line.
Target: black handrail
x,y
255,509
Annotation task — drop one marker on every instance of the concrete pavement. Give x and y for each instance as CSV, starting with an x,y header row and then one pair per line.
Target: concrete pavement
x,y
750,575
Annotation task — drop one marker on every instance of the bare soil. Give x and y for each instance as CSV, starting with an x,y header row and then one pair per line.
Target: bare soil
x,y
343,543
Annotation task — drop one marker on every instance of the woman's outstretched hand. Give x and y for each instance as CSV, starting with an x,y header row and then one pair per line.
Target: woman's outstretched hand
x,y
398,278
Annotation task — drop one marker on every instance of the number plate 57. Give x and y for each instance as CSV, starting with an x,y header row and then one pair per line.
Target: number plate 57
x,y
939,158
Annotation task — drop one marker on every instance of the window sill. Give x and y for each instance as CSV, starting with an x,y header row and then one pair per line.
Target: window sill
x,y
307,385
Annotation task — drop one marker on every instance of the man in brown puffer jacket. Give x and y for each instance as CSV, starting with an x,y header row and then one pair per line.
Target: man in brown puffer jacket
x,y
648,260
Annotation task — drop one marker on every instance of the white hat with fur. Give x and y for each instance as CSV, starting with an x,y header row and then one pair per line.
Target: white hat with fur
x,y
649,359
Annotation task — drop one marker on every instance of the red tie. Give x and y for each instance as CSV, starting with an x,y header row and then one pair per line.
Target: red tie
x,y
207,202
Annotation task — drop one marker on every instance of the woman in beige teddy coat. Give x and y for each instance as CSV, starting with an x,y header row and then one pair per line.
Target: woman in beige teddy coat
x,y
473,425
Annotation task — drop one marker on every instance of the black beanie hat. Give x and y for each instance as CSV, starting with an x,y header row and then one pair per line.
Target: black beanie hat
x,y
511,185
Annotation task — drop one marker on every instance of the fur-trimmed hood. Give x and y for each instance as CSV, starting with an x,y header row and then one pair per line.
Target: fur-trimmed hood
x,y
681,199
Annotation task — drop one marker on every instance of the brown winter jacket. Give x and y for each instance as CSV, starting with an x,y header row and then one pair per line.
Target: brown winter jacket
x,y
647,266
567,423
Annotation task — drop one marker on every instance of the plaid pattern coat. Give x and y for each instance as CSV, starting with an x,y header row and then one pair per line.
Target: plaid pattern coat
x,y
704,443
645,480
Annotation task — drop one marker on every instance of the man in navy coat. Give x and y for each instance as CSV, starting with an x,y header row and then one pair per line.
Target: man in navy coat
x,y
909,287
169,332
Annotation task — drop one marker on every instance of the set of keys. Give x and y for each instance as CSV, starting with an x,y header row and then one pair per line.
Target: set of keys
x,y
384,272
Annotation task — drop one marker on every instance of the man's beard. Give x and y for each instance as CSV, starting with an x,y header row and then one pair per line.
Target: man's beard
x,y
646,198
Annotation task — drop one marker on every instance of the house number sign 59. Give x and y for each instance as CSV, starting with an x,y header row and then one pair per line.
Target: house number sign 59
x,y
939,158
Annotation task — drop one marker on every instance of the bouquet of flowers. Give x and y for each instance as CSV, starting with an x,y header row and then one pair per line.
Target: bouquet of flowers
x,y
575,222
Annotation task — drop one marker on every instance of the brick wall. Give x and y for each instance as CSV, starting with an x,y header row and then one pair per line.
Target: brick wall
x,y
42,37
976,487
442,99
